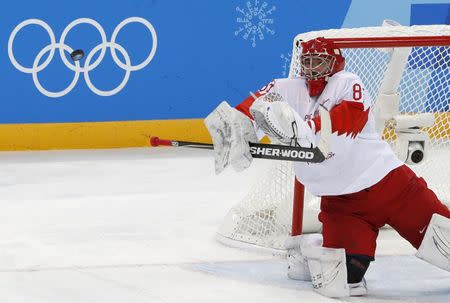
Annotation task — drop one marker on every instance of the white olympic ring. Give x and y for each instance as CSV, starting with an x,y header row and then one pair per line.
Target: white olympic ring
x,y
36,68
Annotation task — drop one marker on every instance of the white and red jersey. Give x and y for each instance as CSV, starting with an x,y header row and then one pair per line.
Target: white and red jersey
x,y
359,157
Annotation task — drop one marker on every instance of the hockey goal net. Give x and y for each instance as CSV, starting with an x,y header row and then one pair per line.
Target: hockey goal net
x,y
411,86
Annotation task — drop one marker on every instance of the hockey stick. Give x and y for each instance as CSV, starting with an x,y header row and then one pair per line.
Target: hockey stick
x,y
258,150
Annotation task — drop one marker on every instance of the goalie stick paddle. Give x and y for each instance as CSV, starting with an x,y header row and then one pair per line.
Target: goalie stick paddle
x,y
325,132
258,150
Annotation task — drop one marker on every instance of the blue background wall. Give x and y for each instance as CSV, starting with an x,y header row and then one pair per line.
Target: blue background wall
x,y
201,58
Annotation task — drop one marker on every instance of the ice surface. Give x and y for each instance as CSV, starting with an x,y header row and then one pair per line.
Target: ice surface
x,y
138,225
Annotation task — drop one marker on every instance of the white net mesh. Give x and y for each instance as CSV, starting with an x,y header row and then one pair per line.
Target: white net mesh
x,y
263,217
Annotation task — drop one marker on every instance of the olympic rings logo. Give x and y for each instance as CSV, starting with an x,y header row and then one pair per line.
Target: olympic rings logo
x,y
88,65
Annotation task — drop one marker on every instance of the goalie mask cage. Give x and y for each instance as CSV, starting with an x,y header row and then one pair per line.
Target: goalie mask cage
x,y
412,62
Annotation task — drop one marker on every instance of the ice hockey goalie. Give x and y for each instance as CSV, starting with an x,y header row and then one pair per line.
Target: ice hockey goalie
x,y
362,184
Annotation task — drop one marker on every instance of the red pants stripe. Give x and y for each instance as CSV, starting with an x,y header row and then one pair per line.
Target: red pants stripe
x,y
400,199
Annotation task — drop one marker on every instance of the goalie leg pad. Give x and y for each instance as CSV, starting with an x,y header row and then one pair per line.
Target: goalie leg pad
x,y
297,263
328,271
435,246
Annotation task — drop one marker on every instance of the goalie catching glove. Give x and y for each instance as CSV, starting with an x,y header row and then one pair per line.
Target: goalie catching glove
x,y
280,122
230,131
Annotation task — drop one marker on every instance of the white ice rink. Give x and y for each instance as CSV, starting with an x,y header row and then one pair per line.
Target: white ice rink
x,y
138,225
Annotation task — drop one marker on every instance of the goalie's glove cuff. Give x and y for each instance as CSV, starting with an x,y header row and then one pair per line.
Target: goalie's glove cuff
x,y
281,123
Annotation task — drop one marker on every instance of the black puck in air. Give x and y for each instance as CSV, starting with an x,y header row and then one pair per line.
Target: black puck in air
x,y
77,54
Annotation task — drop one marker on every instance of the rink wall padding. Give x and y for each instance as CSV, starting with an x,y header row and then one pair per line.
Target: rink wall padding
x,y
86,135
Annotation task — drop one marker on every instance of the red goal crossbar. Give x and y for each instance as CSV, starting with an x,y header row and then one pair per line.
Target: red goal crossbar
x,y
380,42
371,42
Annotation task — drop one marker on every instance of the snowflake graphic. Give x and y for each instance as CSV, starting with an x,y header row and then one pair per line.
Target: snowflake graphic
x,y
254,21
286,64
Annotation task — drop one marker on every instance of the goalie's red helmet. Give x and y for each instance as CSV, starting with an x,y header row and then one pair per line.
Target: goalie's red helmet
x,y
320,59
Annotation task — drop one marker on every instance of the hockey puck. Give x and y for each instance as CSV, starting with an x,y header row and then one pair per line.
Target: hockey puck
x,y
77,54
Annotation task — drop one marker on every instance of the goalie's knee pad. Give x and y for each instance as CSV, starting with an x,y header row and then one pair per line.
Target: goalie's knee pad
x,y
435,246
297,263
